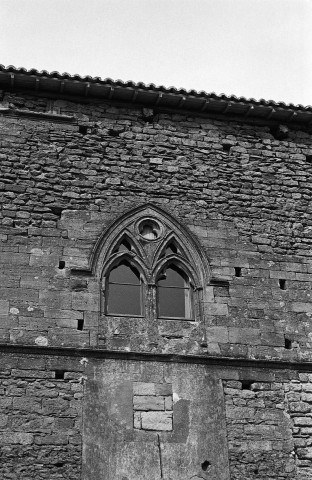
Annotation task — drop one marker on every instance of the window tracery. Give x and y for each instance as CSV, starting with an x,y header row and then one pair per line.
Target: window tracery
x,y
151,267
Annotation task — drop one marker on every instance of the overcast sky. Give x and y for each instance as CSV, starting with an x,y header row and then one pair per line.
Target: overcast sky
x,y
250,48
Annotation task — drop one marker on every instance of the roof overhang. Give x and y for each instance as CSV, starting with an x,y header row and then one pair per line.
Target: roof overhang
x,y
151,96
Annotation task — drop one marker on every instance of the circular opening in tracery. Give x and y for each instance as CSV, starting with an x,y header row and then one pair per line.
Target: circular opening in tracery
x,y
149,229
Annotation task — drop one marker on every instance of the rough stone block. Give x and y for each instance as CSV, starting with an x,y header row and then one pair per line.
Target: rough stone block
x,y
16,438
249,336
55,300
168,403
306,397
67,363
15,258
66,314
273,339
3,420
303,421
239,413
91,319
68,336
148,403
21,373
32,423
161,421
19,294
301,307
209,294
31,363
299,407
67,323
216,309
51,439
8,321
44,260
163,388
137,420
282,274
217,335
6,402
141,388
4,307
28,337
27,404
85,301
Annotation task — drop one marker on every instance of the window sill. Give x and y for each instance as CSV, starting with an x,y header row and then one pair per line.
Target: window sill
x,y
183,319
122,315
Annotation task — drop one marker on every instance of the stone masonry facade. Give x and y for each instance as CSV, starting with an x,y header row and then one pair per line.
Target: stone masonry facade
x,y
269,428
40,417
225,394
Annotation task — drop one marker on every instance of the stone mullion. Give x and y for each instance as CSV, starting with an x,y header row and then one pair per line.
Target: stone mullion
x,y
151,314
102,316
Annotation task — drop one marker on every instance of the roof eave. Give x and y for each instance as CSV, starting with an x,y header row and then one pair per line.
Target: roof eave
x,y
151,96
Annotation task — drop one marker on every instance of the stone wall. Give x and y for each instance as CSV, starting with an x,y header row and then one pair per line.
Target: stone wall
x,y
52,407
259,431
186,441
40,418
269,428
243,196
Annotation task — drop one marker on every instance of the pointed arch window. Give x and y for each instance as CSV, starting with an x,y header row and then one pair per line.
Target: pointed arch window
x,y
149,270
174,293
124,290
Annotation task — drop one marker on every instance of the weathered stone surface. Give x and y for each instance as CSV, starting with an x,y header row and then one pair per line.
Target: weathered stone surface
x,y
161,421
243,197
26,422
148,403
141,388
196,419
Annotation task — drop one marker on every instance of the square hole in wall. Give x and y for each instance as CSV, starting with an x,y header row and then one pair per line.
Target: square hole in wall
x,y
59,374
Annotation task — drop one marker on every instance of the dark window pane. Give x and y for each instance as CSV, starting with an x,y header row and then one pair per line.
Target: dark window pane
x,y
173,278
171,249
124,299
124,274
124,246
171,302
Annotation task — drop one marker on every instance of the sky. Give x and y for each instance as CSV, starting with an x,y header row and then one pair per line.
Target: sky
x,y
251,48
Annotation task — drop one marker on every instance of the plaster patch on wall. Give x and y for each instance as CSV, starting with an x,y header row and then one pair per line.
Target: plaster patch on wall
x,y
14,311
175,397
37,251
41,341
84,361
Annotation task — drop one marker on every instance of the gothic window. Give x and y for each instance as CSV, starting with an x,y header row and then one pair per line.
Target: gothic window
x,y
151,268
